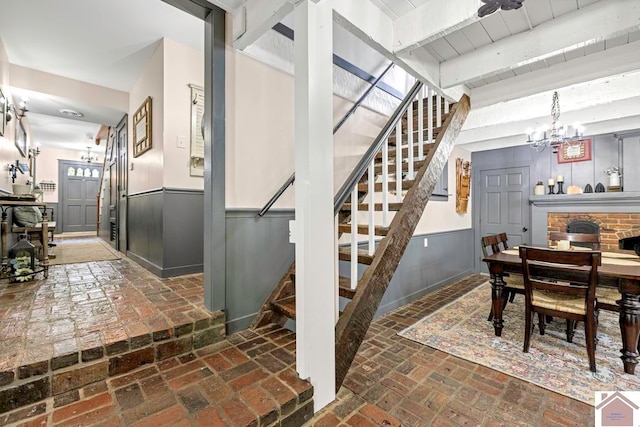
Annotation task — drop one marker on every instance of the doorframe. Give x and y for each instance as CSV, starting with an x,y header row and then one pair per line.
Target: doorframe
x,y
475,208
59,216
122,225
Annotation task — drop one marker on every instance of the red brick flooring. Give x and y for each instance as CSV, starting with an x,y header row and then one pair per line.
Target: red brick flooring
x,y
248,379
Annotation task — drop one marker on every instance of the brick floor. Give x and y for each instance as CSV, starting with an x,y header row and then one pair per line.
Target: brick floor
x,y
249,379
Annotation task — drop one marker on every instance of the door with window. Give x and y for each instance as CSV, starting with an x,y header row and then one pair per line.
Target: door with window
x,y
79,183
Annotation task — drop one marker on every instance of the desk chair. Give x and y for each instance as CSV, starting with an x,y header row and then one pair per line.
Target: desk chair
x,y
574,301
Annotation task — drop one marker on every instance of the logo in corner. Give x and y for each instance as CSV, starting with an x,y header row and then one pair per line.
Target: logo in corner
x,y
617,408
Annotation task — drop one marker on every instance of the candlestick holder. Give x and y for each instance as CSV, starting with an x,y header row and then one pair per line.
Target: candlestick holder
x,y
560,187
551,187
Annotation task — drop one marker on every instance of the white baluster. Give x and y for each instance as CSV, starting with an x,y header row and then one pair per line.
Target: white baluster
x,y
385,183
399,161
446,106
421,124
410,140
354,237
371,190
439,110
430,116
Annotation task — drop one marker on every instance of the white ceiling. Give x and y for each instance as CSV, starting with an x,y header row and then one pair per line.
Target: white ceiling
x,y
65,134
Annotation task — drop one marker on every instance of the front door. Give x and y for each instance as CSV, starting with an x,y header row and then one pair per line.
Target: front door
x,y
504,204
78,195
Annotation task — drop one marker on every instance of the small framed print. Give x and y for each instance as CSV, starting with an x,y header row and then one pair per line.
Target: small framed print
x,y
142,128
3,112
577,151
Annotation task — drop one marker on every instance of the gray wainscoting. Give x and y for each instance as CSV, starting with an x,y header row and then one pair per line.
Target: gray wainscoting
x,y
258,255
447,258
165,230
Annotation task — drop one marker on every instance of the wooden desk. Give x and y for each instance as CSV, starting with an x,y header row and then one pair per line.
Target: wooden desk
x,y
625,278
4,229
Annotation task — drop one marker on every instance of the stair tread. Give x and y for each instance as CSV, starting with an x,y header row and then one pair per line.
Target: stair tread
x,y
379,230
377,207
406,185
391,170
344,286
286,306
344,254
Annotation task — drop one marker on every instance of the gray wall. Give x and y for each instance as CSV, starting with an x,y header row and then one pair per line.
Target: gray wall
x,y
165,230
258,255
606,151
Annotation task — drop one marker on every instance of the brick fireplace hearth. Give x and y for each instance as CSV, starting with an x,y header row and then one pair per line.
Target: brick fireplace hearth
x,y
613,226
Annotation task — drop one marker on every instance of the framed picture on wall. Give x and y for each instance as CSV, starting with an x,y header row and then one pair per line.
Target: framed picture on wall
x,y
578,151
21,139
142,128
3,112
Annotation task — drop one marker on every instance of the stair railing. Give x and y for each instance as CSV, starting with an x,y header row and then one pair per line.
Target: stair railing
x,y
366,164
342,121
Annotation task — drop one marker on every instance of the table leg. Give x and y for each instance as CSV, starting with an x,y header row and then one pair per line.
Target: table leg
x,y
5,229
497,296
44,238
630,329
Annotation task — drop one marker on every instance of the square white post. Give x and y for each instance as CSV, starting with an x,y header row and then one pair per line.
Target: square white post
x,y
315,264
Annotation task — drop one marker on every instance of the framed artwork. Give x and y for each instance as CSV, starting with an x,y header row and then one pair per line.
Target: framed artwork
x,y
142,128
578,151
3,112
21,139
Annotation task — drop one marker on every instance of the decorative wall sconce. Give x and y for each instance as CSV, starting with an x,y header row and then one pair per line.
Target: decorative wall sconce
x,y
12,111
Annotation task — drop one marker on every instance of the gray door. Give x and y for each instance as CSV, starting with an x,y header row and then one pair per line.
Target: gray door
x,y
78,198
504,204
121,135
112,202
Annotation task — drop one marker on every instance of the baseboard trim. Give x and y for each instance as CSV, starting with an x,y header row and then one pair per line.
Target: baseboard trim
x,y
240,323
145,263
392,305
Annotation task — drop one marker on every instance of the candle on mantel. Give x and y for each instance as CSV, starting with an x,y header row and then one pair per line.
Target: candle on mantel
x,y
560,178
551,181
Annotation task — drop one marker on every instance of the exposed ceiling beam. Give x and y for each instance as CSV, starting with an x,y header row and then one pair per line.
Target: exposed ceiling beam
x,y
621,59
255,18
432,20
594,23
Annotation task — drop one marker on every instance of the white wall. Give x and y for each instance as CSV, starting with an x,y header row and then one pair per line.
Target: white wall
x,y
8,151
182,65
147,173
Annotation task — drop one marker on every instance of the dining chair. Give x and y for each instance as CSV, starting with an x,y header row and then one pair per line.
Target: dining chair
x,y
513,282
546,295
589,240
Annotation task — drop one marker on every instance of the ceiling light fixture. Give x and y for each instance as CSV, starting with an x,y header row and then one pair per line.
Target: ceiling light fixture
x,y
89,157
557,135
492,6
71,113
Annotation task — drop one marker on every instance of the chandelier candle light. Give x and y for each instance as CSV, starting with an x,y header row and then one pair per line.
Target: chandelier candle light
x,y
555,136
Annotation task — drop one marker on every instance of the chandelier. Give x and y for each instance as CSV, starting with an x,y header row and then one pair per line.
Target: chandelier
x,y
89,157
557,135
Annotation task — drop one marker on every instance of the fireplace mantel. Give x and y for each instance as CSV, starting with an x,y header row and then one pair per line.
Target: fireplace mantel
x,y
541,206
596,199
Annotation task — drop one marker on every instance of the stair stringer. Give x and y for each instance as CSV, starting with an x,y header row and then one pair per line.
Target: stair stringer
x,y
354,322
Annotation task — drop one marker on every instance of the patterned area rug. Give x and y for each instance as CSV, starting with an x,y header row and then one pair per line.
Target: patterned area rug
x,y
461,328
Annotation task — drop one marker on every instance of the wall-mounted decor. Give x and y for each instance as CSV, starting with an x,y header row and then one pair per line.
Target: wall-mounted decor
x,y
463,185
197,139
3,112
21,138
142,128
578,151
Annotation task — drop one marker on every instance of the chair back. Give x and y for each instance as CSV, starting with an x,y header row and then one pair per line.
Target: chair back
x,y
593,240
494,242
572,273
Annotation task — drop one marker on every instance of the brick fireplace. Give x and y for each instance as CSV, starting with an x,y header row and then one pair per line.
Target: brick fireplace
x,y
614,227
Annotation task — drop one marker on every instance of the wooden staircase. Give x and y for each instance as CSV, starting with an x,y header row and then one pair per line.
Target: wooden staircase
x,y
405,209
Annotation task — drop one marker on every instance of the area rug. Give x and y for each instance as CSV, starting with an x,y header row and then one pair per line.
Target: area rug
x,y
73,251
461,329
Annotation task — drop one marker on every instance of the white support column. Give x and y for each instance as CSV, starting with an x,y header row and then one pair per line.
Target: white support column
x,y
315,275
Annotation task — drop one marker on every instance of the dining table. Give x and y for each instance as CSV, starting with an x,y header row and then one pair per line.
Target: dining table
x,y
620,270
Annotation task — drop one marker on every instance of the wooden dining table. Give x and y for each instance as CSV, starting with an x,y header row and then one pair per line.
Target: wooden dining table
x,y
625,276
